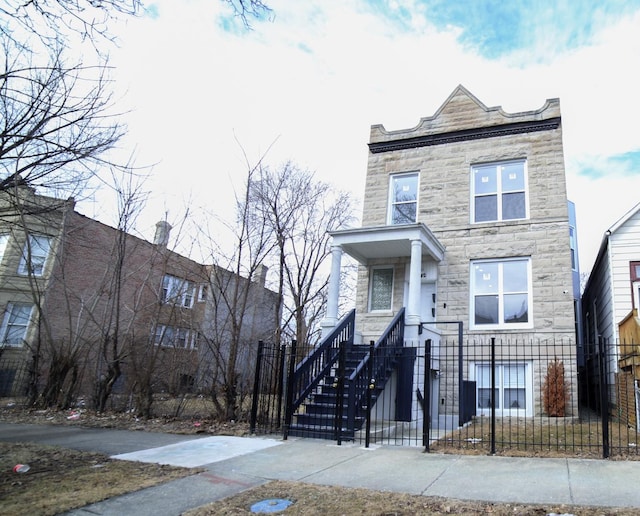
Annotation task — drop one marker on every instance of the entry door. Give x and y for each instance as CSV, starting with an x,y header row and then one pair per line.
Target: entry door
x,y
427,302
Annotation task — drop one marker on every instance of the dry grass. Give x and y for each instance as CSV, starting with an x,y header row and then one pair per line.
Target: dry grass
x,y
60,479
314,500
550,438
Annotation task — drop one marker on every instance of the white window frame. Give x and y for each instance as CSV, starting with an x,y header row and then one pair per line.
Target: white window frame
x,y
373,270
34,255
9,322
392,202
501,324
171,337
501,410
636,295
177,291
4,243
202,295
499,165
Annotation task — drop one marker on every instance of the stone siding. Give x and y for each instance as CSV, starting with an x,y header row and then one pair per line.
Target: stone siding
x,y
444,206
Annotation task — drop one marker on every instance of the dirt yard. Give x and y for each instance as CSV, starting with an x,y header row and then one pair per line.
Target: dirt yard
x,y
59,479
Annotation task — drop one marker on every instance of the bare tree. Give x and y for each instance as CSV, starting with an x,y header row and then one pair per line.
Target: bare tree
x,y
237,282
58,116
300,211
53,20
58,122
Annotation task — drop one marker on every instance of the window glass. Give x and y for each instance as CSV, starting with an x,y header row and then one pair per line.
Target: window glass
x,y
34,255
499,191
485,180
486,278
500,292
513,206
514,386
512,177
381,289
173,337
404,199
15,323
515,276
487,310
483,379
4,240
510,386
177,291
486,208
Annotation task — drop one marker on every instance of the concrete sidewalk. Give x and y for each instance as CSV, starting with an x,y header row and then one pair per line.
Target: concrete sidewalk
x,y
235,464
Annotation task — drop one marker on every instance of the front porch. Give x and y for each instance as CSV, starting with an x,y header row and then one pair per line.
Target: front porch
x,y
414,254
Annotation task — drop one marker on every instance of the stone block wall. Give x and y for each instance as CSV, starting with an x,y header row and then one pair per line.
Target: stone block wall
x,y
444,203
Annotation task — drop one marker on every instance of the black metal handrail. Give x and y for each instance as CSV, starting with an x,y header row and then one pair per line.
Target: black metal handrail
x,y
315,366
384,357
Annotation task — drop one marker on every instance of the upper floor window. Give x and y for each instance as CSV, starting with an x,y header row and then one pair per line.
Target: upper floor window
x,y
500,293
178,291
403,199
15,324
381,289
499,191
34,255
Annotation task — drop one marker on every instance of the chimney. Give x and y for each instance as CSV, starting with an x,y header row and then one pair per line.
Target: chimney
x,y
163,228
261,275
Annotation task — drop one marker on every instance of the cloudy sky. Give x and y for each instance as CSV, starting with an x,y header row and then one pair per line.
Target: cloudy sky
x,y
306,84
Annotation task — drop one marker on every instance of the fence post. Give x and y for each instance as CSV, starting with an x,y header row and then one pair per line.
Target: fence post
x,y
280,380
256,389
426,402
493,396
461,407
370,387
288,412
604,397
339,384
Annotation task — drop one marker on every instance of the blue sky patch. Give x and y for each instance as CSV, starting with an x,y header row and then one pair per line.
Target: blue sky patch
x,y
498,28
625,164
151,11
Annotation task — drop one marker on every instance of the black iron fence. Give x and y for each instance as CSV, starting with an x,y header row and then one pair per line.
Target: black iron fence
x,y
14,377
493,395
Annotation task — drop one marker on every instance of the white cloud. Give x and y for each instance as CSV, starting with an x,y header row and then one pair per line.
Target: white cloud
x,y
312,82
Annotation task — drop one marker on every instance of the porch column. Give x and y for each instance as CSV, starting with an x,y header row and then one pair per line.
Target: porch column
x,y
413,308
331,317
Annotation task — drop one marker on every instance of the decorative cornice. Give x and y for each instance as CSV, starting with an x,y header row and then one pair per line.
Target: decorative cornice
x,y
477,133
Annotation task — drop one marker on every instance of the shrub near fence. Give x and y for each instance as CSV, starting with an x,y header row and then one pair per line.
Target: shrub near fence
x,y
533,397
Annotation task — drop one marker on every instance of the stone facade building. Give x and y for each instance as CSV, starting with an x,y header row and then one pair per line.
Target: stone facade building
x,y
466,219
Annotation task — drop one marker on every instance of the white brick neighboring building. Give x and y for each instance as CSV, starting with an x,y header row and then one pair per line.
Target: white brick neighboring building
x,y
465,219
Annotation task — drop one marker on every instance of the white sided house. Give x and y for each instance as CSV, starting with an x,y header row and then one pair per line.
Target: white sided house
x,y
613,288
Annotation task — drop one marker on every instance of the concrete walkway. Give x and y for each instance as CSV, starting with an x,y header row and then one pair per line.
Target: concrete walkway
x,y
234,464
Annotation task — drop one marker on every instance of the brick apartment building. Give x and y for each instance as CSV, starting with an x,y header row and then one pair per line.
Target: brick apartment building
x,y
73,287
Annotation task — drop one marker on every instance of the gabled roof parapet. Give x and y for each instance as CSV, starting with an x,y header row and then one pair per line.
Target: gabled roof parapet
x,y
463,117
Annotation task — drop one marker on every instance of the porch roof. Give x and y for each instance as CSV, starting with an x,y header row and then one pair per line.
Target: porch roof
x,y
371,243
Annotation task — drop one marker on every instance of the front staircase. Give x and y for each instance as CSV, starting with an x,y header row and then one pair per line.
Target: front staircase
x,y
330,387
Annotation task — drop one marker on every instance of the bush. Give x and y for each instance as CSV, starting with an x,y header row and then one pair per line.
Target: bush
x,y
554,390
